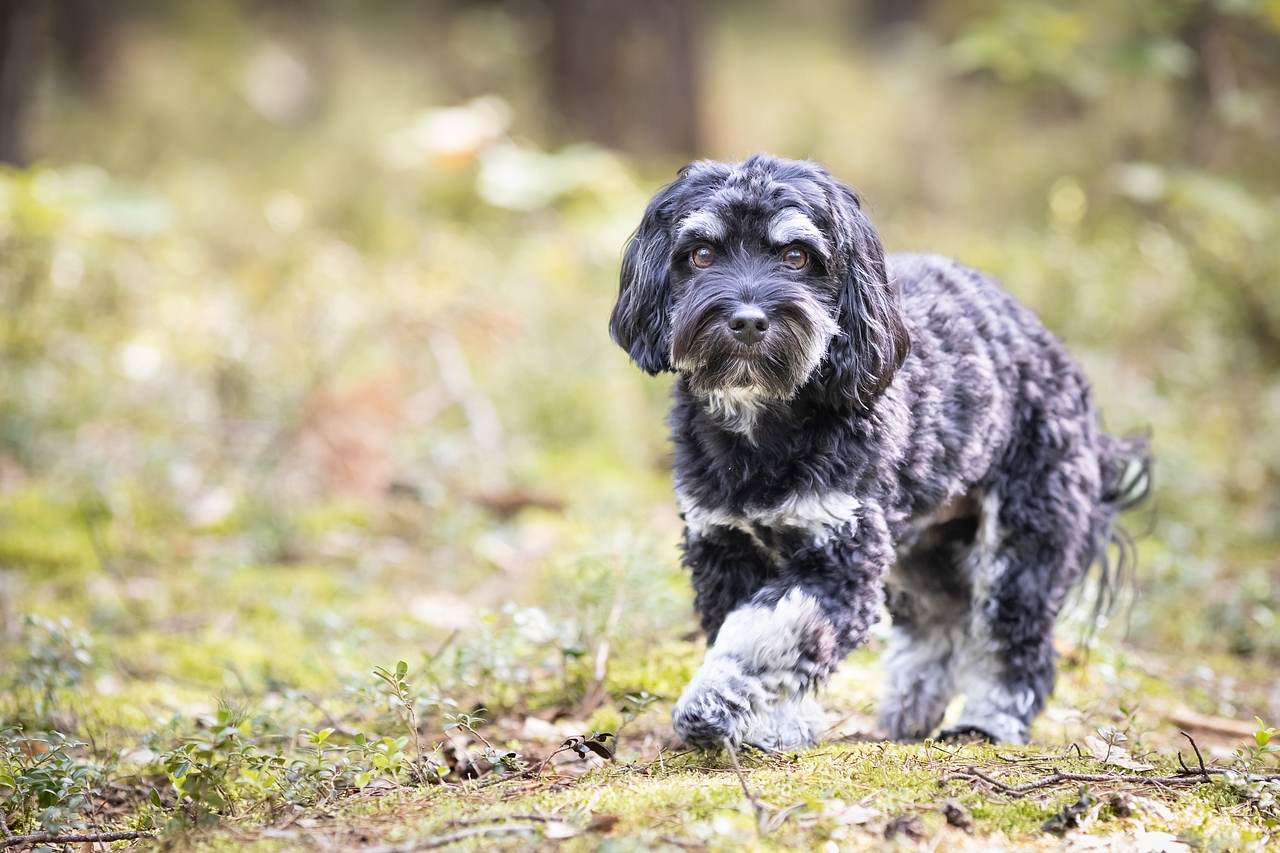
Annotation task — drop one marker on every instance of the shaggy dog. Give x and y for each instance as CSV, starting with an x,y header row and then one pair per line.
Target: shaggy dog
x,y
851,430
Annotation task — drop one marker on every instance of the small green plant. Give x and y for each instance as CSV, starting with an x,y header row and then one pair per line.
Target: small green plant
x,y
1247,779
42,785
401,691
636,704
203,765
502,761
386,756
56,658
319,769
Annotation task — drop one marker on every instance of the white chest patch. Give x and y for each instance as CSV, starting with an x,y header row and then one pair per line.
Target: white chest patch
x,y
819,514
738,408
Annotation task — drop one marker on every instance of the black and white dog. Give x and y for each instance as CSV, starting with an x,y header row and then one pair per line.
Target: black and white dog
x,y
851,430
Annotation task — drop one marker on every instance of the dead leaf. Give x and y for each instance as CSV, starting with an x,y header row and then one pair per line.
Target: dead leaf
x,y
603,822
1117,756
558,829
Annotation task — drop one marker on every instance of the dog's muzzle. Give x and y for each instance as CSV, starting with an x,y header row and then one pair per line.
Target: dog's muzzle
x,y
770,340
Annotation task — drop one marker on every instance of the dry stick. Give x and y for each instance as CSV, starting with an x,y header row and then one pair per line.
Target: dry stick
x,y
497,818
433,841
972,773
54,838
596,694
486,430
1199,757
762,811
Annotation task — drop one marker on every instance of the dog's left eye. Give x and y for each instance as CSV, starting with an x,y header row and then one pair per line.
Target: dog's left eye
x,y
795,257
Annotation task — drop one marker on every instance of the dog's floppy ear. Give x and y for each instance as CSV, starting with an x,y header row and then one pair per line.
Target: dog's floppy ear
x,y
873,340
641,320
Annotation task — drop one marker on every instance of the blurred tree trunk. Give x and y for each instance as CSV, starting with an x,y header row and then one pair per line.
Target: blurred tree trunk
x,y
23,45
879,16
80,30
624,73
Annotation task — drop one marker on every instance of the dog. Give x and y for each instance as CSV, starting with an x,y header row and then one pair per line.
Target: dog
x,y
853,430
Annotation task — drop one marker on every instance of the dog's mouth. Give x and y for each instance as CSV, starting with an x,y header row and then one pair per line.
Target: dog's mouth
x,y
776,364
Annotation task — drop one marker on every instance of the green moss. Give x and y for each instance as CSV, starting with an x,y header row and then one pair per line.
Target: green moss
x,y
45,538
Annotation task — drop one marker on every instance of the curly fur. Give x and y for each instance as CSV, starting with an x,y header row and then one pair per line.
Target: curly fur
x,y
905,432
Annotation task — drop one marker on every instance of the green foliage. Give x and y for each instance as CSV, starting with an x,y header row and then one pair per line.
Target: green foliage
x,y
1247,781
42,785
56,658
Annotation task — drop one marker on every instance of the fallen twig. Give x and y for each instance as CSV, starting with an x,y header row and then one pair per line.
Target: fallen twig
x,y
737,769
762,811
431,842
1056,777
498,818
1199,757
55,838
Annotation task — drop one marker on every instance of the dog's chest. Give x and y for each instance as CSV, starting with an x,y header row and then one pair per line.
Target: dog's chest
x,y
811,517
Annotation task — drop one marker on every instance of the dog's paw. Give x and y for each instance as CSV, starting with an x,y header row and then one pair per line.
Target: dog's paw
x,y
793,724
966,734
996,727
718,705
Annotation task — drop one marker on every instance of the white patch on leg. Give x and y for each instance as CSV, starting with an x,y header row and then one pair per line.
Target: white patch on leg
x,y
788,725
762,660
920,680
993,708
990,705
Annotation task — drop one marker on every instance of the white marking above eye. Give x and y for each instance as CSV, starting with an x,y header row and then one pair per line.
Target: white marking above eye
x,y
791,226
704,224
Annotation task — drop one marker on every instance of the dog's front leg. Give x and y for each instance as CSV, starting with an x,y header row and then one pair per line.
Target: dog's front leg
x,y
771,652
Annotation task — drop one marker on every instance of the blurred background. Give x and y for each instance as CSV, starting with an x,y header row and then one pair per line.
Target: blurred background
x,y
303,303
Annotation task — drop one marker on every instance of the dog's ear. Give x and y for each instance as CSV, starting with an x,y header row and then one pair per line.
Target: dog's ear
x,y
873,339
641,320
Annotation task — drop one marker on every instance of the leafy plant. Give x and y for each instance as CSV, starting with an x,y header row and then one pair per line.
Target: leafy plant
x,y
42,784
57,657
203,766
1245,778
503,761
401,691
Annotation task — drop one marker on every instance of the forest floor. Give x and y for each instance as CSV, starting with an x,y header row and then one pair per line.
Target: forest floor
x,y
225,704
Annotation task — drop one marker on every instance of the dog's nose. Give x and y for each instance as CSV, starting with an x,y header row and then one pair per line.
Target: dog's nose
x,y
749,324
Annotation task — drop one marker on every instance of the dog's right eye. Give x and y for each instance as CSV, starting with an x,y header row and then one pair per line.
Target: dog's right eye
x,y
702,257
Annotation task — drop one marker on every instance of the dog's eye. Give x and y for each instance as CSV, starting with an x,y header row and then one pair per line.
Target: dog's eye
x,y
703,257
795,257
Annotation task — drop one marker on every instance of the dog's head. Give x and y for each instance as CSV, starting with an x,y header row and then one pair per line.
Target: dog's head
x,y
761,278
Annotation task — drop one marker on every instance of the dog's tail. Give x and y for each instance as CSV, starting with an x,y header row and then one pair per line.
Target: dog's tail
x,y
1126,482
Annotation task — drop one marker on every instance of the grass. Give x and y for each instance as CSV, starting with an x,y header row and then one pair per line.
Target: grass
x,y
285,405
229,704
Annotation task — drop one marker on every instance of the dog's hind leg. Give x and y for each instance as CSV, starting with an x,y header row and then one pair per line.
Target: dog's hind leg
x,y
928,596
1034,544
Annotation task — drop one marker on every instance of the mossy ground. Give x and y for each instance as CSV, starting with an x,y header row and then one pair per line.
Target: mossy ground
x,y
291,648
279,406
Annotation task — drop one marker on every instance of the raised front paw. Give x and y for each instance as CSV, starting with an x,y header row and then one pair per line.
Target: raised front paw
x,y
717,705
